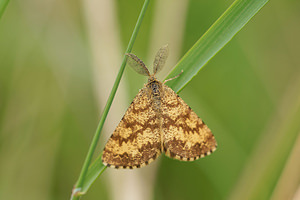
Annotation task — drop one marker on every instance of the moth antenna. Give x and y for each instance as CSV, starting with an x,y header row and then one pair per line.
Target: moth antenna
x,y
173,77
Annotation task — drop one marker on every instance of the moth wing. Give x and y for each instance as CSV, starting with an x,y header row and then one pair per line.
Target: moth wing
x,y
136,141
185,136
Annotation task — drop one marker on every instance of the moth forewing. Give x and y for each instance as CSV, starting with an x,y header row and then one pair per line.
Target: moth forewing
x,y
160,58
136,141
185,136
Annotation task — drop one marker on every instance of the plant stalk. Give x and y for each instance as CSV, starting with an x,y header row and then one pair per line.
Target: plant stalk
x,y
76,192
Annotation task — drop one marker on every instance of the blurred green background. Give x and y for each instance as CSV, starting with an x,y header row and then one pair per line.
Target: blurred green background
x,y
58,61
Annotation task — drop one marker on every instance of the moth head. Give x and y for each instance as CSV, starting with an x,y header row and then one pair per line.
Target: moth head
x,y
152,79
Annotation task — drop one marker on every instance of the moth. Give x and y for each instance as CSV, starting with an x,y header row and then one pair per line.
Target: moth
x,y
157,121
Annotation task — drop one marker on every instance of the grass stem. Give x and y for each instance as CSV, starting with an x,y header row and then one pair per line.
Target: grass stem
x,y
77,189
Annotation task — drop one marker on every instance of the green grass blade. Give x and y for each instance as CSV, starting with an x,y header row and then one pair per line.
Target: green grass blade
x,y
215,38
3,4
77,190
94,171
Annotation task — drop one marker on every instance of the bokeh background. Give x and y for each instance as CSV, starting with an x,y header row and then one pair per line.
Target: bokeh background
x,y
59,59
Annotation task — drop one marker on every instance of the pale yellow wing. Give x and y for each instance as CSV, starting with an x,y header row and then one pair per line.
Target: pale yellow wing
x,y
185,136
136,140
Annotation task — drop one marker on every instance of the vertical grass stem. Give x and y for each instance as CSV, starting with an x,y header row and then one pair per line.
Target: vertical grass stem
x,y
76,193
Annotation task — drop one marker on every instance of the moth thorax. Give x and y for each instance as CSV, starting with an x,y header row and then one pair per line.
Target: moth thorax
x,y
155,90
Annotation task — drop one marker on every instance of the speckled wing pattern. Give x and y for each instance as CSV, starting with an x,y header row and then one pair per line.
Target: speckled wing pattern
x,y
136,141
143,133
157,121
185,136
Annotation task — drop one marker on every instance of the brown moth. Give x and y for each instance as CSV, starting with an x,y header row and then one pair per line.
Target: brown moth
x,y
157,121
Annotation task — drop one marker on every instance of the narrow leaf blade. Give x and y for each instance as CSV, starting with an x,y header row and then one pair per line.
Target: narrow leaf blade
x,y
215,38
94,171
